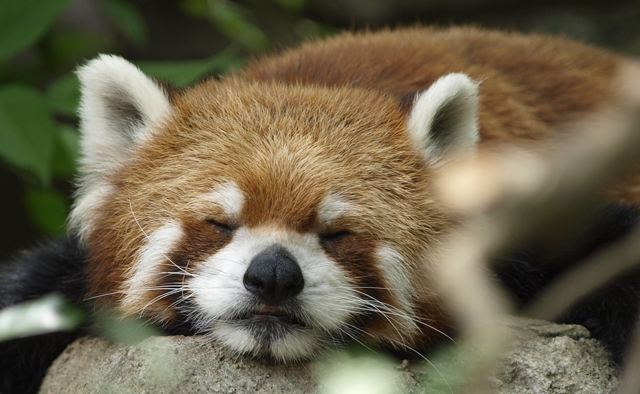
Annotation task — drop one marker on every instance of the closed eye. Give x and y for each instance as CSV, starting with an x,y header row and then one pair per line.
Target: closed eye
x,y
225,228
334,237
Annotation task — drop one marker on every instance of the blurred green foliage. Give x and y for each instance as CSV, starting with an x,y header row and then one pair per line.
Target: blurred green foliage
x,y
23,22
39,93
48,314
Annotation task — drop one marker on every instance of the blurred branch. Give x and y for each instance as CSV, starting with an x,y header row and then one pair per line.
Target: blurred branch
x,y
512,196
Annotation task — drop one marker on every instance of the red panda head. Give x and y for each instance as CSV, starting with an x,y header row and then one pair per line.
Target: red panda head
x,y
278,219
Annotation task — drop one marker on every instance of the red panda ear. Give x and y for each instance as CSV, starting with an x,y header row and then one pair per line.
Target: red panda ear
x,y
119,108
118,105
444,117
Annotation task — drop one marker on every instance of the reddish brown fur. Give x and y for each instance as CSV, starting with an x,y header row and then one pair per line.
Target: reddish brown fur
x,y
355,254
547,79
331,115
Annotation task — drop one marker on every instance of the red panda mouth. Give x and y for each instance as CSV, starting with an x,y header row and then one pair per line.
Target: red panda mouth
x,y
268,310
269,314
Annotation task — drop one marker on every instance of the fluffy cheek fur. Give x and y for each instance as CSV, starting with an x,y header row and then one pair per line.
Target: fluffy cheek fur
x,y
143,278
154,286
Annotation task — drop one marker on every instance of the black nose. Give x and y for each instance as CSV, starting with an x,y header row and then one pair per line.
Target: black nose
x,y
274,276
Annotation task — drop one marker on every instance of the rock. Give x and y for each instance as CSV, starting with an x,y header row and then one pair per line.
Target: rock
x,y
548,358
167,365
553,358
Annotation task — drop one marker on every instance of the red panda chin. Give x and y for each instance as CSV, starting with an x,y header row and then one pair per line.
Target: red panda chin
x,y
271,340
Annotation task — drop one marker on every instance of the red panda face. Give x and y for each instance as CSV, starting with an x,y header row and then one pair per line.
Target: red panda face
x,y
277,219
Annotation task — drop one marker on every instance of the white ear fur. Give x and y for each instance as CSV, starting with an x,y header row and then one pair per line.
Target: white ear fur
x,y
445,116
119,107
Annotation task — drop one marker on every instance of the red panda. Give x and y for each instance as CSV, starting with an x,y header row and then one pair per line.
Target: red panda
x,y
287,208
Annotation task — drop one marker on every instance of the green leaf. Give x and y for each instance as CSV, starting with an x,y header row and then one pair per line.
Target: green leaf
x,y
66,46
229,18
49,314
63,95
26,130
186,72
67,152
22,22
48,211
129,20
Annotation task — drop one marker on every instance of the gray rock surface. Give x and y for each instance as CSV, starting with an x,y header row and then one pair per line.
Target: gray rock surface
x,y
553,358
547,358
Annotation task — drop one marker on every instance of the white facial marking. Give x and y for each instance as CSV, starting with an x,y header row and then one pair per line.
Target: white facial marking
x,y
298,344
398,281
327,298
143,275
332,207
228,196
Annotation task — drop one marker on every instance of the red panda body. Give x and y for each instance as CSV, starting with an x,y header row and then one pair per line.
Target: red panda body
x,y
310,169
288,207
546,79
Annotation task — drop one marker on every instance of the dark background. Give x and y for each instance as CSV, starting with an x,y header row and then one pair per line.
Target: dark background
x,y
181,30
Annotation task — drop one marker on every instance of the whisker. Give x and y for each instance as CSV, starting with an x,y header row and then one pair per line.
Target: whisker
x,y
391,310
149,239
